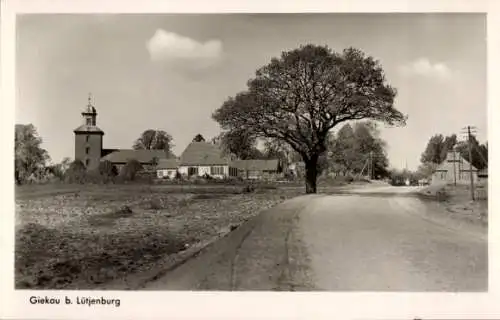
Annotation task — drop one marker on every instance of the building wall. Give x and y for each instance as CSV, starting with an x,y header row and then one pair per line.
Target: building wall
x,y
88,148
202,170
462,177
162,173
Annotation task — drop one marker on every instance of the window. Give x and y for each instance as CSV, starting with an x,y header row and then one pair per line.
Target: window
x,y
216,171
192,171
87,162
87,150
89,121
87,138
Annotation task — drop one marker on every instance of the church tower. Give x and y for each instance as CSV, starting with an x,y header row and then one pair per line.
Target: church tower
x,y
88,139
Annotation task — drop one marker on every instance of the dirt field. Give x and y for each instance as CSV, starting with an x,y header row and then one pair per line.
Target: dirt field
x,y
70,237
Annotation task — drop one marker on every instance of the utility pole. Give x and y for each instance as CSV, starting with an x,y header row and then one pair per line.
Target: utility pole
x,y
454,168
371,165
471,175
470,165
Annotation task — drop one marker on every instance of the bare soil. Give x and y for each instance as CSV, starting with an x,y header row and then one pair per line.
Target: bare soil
x,y
80,237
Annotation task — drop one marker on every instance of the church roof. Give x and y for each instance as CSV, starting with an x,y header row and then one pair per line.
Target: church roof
x,y
143,156
202,153
86,128
168,164
259,165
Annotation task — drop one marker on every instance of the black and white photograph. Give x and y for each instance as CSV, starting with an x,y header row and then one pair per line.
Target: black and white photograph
x,y
250,152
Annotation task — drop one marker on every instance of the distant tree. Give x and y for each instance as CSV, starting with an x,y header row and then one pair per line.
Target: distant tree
x,y
479,152
198,138
449,144
30,158
367,143
154,140
434,150
425,170
298,98
342,153
130,170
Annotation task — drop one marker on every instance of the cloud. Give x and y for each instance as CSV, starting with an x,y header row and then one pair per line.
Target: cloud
x,y
180,51
424,68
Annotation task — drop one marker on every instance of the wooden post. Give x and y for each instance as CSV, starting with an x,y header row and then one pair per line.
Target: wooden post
x,y
470,165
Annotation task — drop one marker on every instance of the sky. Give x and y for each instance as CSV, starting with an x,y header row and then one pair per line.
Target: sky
x,y
170,72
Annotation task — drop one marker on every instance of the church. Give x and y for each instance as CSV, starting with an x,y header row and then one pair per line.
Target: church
x,y
200,158
89,145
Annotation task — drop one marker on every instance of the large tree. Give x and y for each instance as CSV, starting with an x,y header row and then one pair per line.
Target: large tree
x,y
30,158
299,97
154,140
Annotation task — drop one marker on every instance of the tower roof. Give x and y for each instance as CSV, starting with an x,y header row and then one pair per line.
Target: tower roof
x,y
90,108
88,129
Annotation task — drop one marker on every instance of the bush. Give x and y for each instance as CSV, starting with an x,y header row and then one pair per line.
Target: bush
x,y
206,176
130,170
76,173
178,175
248,188
107,169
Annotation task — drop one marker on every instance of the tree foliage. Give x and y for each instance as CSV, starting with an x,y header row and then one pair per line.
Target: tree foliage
x,y
30,159
479,152
198,138
240,144
352,148
437,148
154,140
298,98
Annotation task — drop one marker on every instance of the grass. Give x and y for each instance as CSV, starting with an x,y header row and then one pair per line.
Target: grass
x,y
457,201
78,237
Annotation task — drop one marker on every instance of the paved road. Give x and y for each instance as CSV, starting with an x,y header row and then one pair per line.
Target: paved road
x,y
358,242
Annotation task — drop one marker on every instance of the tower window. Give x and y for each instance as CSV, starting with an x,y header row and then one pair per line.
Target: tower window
x,y
89,121
87,138
87,150
87,162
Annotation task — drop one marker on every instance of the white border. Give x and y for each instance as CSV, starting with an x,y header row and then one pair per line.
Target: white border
x,y
245,305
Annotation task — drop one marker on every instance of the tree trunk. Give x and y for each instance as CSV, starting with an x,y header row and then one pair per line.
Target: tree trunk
x,y
311,174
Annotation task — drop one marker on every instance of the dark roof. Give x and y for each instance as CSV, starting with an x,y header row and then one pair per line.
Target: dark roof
x,y
143,156
260,165
105,152
86,128
168,164
203,153
483,173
